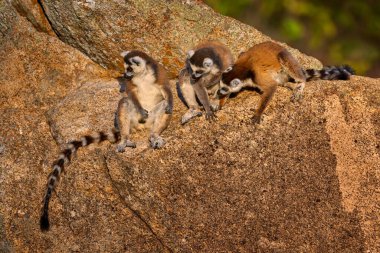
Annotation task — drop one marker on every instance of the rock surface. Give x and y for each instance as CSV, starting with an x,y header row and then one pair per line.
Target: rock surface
x,y
164,29
305,180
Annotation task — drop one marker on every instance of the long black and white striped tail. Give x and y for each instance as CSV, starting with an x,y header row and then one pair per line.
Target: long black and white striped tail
x,y
63,160
330,73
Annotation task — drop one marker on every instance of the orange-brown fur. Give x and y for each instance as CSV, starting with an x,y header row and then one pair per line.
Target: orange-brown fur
x,y
225,54
266,65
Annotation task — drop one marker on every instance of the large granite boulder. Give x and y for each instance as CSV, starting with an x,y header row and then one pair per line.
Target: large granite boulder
x,y
164,29
305,180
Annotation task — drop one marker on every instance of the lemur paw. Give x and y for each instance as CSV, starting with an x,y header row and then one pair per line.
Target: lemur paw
x,y
214,107
156,142
144,115
123,144
210,116
256,119
297,96
169,109
191,113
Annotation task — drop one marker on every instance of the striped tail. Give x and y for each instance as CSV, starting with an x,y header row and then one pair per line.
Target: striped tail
x,y
330,73
63,160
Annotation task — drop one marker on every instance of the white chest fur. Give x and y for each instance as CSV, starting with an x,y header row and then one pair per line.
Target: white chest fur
x,y
148,92
250,83
280,77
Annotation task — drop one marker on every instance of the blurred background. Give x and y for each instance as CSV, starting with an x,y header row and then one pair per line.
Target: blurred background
x,y
335,32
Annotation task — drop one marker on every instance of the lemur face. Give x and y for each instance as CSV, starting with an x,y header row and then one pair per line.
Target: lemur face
x,y
199,66
133,64
228,86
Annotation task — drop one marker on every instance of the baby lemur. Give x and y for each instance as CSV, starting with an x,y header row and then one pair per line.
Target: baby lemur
x,y
267,65
201,78
149,103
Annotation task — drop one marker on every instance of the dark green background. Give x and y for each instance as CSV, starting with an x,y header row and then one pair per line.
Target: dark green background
x,y
336,32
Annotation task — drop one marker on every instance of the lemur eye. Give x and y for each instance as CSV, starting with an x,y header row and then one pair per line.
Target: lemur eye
x,y
134,61
235,82
200,72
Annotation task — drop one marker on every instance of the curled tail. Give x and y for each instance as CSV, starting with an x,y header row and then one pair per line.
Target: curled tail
x,y
63,160
330,73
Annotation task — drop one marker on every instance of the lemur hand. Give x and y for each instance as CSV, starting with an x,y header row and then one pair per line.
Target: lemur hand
x,y
144,116
210,116
169,109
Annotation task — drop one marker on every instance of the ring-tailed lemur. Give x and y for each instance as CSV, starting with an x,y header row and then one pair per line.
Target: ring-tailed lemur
x,y
149,103
267,65
201,77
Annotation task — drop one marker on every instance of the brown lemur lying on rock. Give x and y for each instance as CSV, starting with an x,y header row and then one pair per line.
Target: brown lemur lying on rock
x,y
200,79
149,103
267,65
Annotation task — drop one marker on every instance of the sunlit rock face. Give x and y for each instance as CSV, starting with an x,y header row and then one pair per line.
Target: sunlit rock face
x,y
305,180
164,29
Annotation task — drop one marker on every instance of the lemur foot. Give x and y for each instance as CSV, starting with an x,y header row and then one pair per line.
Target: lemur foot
x,y
297,96
298,92
156,142
211,116
256,119
124,144
214,107
191,113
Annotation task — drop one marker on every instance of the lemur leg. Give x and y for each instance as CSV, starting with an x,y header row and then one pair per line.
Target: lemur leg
x,y
212,86
190,98
289,85
267,95
292,67
160,123
214,98
126,112
189,95
202,94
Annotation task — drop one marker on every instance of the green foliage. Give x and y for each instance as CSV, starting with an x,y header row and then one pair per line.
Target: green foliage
x,y
337,31
292,29
228,7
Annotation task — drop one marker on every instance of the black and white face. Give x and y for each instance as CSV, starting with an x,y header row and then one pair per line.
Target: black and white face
x,y
228,86
234,86
133,65
197,71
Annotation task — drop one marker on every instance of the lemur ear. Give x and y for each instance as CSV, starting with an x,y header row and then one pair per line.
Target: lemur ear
x,y
228,69
207,62
190,54
124,53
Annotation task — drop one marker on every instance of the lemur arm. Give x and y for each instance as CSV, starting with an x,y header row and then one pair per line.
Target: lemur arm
x,y
214,80
131,91
168,95
201,92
